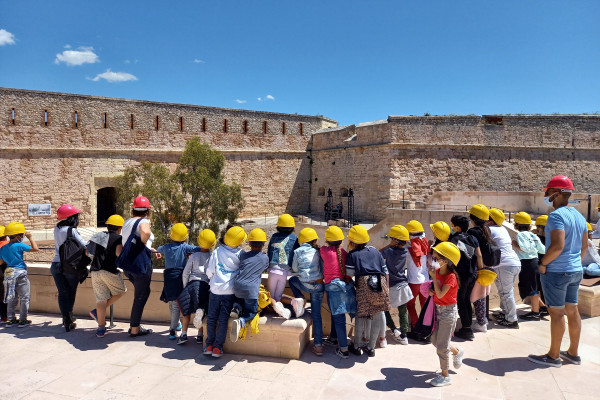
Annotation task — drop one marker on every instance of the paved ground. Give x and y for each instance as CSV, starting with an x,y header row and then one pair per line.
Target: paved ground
x,y
45,362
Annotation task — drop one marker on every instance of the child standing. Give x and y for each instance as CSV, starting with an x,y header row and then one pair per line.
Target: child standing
x,y
175,260
246,283
16,282
445,288
417,266
396,257
3,310
307,264
223,265
281,255
194,297
540,225
372,291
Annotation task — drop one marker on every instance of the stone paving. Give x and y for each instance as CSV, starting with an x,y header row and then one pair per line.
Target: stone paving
x,y
45,362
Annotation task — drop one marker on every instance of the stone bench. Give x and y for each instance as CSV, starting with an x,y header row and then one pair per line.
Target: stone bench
x,y
589,301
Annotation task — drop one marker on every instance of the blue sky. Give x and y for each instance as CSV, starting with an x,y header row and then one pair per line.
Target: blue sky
x,y
353,61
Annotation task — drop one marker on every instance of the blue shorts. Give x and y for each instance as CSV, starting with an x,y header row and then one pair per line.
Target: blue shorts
x,y
561,288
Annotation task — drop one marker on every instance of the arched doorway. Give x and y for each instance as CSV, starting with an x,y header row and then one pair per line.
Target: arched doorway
x,y
106,202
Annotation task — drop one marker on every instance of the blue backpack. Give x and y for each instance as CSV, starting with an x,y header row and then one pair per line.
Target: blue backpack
x,y
135,258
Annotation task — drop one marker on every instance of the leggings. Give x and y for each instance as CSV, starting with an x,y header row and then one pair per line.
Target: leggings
x,y
402,316
480,311
368,329
276,284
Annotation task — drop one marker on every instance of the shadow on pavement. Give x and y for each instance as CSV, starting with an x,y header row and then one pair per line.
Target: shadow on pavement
x,y
500,366
400,379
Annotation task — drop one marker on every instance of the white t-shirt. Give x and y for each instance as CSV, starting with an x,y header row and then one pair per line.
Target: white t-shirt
x,y
126,231
508,255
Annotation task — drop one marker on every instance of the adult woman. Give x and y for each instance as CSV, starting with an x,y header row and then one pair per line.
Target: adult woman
x,y
66,283
141,282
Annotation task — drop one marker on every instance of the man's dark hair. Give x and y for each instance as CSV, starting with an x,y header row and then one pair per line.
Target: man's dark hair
x,y
112,228
461,221
137,213
285,230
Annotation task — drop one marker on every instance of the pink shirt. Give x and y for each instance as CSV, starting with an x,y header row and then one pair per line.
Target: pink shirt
x,y
331,266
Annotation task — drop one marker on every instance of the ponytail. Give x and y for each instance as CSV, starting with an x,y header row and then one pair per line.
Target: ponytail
x,y
338,251
487,235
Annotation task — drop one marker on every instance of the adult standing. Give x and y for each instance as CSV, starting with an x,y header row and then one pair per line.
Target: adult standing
x,y
561,271
66,282
141,282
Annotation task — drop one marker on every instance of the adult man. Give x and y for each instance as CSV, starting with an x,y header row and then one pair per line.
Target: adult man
x,y
561,271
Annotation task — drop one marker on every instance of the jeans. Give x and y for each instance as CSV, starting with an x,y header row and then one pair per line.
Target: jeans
x,y
174,309
67,288
249,310
445,322
463,300
402,316
561,288
338,328
22,293
141,286
316,291
219,307
592,269
3,308
368,329
507,275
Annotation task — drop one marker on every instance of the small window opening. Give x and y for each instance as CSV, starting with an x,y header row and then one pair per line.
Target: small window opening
x,y
203,124
45,117
283,128
131,121
76,120
245,126
13,116
492,120
301,128
225,126
344,192
157,123
265,127
321,192
181,124
105,120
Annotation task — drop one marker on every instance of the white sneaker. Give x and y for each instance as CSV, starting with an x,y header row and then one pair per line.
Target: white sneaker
x,y
382,342
403,339
440,380
198,318
478,328
397,333
457,358
298,305
282,311
234,333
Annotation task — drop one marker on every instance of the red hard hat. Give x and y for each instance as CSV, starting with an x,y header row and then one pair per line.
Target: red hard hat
x,y
559,182
65,211
141,203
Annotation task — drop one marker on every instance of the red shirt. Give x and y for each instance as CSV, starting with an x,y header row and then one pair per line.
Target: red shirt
x,y
450,297
331,265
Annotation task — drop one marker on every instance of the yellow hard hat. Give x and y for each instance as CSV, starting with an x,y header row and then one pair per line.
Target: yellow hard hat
x,y
449,250
2,231
486,277
235,236
441,230
497,216
541,220
307,235
399,232
115,220
589,226
480,211
257,235
179,232
14,228
598,206
522,218
358,235
207,239
334,234
414,226
286,221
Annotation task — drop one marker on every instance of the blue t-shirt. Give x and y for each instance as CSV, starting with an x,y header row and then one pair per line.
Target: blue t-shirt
x,y
395,260
12,254
175,254
246,283
366,261
572,222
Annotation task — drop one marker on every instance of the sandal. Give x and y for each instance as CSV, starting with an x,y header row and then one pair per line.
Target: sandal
x,y
141,332
317,350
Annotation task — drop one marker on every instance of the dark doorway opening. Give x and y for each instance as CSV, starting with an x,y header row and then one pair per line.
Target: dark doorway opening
x,y
106,202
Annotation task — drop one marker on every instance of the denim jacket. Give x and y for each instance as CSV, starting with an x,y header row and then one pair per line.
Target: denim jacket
x,y
275,247
341,297
306,263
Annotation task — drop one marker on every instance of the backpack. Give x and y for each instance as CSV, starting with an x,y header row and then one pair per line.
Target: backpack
x,y
468,261
73,259
135,256
490,253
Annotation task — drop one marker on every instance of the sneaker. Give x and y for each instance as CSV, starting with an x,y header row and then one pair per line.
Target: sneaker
x,y
341,353
317,350
208,350
199,339
24,323
182,339
73,318
217,352
465,333
198,318
179,327
544,311
572,359
68,323
382,342
330,341
531,316
440,380
172,334
403,339
101,331
298,306
545,360
282,311
3,321
354,350
498,316
234,333
370,352
476,327
397,333
513,325
457,358
93,314
12,322
235,312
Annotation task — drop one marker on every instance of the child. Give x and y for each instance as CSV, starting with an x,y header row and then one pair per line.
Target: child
x,y
591,259
540,225
175,260
246,282
107,281
3,310
396,257
372,291
445,288
417,267
16,282
223,265
528,246
307,264
281,255
341,297
194,297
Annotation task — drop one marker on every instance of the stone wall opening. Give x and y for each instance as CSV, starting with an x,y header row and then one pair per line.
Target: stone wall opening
x,y
106,204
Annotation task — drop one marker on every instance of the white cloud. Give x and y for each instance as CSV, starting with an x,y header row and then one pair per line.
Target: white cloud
x,y
198,61
83,55
127,62
259,98
67,46
110,76
6,37
240,101
269,97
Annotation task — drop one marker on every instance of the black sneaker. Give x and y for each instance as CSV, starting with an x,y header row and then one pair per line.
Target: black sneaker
x,y
531,316
499,316
330,341
544,311
513,325
182,339
545,360
465,333
342,354
370,352
569,358
199,339
354,350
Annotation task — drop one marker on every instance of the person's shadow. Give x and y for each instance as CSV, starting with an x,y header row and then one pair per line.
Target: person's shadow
x,y
500,366
400,379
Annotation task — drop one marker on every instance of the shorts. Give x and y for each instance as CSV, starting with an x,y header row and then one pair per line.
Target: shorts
x,y
106,284
561,288
528,282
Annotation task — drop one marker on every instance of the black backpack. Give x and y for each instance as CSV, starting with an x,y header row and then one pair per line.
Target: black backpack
x,y
73,258
468,260
490,253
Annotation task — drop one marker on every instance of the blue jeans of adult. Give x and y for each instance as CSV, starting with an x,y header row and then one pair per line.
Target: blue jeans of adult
x,y
219,307
67,288
249,310
316,291
141,292
338,328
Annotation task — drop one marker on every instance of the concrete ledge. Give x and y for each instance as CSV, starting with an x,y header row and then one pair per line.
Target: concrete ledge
x,y
589,301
